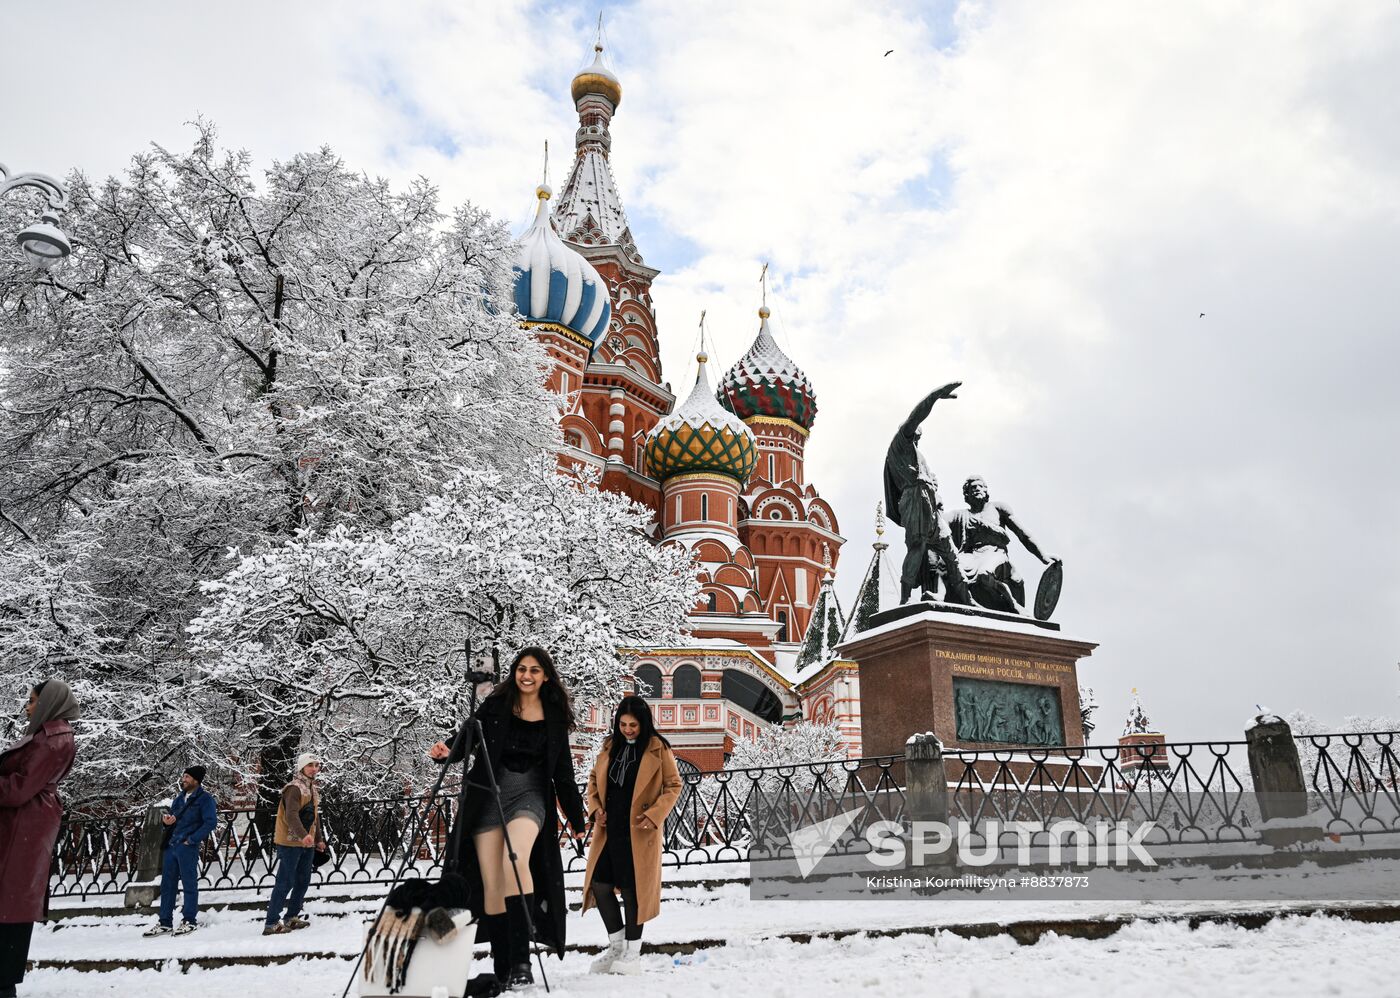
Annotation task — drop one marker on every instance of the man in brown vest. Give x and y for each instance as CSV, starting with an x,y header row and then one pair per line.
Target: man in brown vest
x,y
297,837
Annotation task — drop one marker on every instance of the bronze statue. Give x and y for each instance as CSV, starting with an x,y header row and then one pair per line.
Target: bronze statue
x,y
911,498
982,535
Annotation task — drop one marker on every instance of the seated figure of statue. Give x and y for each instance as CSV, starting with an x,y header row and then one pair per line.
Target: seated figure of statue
x,y
982,534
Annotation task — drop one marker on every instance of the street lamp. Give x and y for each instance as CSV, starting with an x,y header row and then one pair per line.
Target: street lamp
x,y
43,243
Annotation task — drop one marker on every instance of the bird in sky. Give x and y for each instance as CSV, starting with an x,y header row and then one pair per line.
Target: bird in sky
x,y
1201,316
887,54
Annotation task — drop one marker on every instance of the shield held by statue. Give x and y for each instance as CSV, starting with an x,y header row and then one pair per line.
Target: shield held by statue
x,y
1047,594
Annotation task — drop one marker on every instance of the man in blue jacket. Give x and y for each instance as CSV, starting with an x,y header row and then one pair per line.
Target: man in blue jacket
x,y
191,819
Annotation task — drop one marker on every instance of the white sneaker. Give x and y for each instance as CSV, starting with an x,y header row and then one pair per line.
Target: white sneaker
x,y
630,962
616,942
158,930
185,928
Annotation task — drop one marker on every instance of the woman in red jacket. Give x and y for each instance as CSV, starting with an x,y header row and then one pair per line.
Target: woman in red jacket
x,y
30,771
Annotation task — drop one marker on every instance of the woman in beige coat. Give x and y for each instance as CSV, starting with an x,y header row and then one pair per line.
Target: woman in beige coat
x,y
633,786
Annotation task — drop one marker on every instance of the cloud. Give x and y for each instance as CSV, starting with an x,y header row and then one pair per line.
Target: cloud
x,y
1035,199
1042,209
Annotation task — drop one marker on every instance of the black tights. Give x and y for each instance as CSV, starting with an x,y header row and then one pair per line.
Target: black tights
x,y
606,899
14,951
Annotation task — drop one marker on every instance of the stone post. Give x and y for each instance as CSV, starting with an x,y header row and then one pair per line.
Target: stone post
x,y
145,884
1278,780
926,786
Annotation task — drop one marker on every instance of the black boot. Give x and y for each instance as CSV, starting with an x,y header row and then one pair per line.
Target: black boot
x,y
500,947
488,985
520,975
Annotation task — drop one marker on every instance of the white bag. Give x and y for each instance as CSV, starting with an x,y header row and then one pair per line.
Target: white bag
x,y
432,967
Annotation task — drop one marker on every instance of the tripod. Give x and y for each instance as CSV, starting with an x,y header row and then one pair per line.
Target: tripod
x,y
474,679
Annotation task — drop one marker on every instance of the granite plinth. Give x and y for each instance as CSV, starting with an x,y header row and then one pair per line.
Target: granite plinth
x,y
912,657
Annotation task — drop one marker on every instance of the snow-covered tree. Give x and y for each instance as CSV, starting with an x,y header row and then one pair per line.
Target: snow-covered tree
x,y
1375,756
228,365
804,742
357,637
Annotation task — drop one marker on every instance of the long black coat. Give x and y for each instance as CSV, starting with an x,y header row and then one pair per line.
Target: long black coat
x,y
546,865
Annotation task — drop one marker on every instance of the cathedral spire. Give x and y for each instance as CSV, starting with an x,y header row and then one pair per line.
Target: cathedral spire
x,y
879,589
824,628
590,211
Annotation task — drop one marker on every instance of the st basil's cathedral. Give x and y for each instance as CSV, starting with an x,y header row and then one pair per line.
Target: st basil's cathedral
x,y
722,471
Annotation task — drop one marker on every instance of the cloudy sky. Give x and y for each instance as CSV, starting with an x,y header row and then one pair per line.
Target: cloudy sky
x,y
1036,199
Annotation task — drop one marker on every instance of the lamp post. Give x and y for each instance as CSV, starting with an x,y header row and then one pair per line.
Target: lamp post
x,y
43,243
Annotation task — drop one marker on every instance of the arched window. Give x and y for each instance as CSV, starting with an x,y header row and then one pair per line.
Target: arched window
x,y
648,681
770,468
685,683
782,625
745,691
712,602
704,506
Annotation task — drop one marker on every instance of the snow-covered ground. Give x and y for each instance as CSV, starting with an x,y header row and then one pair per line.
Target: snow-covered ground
x,y
720,914
1307,955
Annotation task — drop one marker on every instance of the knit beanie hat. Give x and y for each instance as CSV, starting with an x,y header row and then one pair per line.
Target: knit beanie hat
x,y
197,772
306,759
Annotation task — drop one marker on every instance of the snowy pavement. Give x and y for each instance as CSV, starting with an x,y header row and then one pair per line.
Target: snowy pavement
x,y
1301,955
722,914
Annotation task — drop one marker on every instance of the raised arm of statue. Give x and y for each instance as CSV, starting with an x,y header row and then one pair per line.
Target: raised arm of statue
x,y
922,410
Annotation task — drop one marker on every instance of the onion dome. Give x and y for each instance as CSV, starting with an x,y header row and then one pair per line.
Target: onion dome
x,y
701,435
554,284
765,382
596,78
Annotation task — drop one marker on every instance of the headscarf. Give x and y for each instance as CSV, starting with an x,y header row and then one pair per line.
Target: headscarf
x,y
55,703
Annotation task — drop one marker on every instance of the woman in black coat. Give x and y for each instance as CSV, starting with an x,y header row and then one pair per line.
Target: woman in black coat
x,y
525,722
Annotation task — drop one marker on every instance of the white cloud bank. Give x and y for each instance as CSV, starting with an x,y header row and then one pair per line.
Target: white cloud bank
x,y
1037,199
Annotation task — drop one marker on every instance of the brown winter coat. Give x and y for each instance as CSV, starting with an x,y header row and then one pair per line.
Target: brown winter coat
x,y
296,795
657,789
30,813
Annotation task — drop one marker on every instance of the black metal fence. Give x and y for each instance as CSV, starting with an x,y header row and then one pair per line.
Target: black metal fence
x,y
713,822
1195,792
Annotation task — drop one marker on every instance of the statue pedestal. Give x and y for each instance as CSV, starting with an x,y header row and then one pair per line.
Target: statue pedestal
x,y
977,680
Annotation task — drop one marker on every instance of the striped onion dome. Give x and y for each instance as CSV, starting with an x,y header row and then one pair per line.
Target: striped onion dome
x,y
554,284
765,382
701,435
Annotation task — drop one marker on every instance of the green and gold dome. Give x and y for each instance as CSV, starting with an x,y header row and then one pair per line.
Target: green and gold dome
x,y
701,435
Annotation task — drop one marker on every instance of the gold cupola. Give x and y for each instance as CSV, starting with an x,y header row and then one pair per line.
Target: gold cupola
x,y
596,79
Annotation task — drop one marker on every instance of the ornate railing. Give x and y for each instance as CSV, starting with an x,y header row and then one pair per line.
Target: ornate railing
x,y
1356,778
714,821
1194,792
